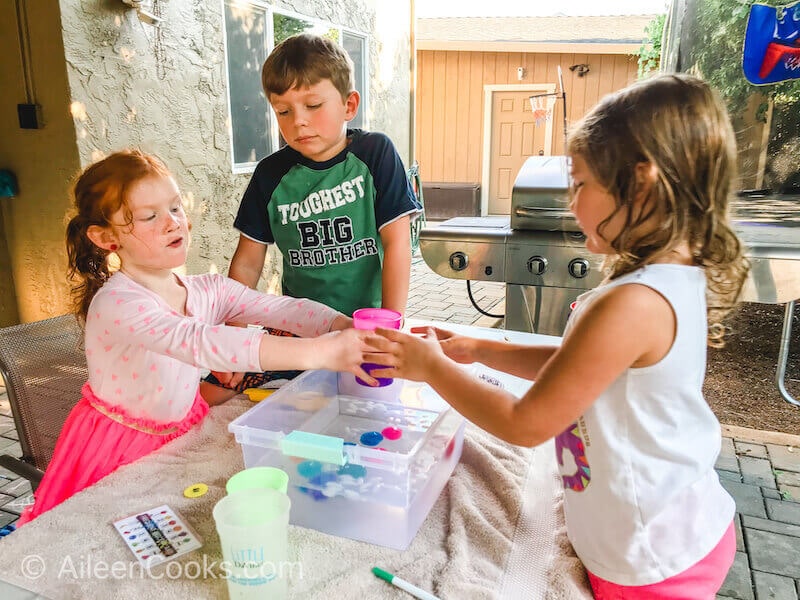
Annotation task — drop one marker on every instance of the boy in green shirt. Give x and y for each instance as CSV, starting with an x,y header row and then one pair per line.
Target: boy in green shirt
x,y
336,201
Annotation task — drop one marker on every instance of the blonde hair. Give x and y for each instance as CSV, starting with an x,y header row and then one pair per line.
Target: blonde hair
x,y
99,191
677,124
304,60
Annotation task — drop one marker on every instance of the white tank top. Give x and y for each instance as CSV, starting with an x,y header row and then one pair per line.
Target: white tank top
x,y
642,499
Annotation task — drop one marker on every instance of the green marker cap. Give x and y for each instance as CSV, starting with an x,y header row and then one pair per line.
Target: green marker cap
x,y
382,574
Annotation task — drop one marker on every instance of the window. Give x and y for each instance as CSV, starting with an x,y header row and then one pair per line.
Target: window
x,y
356,46
247,47
252,29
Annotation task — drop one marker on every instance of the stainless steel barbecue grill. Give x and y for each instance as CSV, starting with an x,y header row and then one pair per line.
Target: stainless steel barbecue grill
x,y
538,251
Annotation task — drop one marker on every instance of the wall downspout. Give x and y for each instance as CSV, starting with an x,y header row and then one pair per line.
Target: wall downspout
x,y
412,84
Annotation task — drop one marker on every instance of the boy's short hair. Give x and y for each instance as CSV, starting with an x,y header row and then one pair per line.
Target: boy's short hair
x,y
305,59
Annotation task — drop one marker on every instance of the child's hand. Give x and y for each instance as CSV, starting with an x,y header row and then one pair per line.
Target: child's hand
x,y
405,356
341,322
230,380
344,351
459,348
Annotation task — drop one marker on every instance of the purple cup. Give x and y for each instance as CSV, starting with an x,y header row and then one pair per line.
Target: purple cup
x,y
382,381
370,318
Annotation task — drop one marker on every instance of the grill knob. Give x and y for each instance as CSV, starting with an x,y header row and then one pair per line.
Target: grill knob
x,y
537,265
458,261
578,268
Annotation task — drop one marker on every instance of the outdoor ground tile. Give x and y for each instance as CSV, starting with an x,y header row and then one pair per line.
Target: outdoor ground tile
x,y
12,434
730,476
727,456
771,493
786,458
790,493
6,518
748,449
757,471
433,315
490,322
787,477
5,445
16,488
773,552
7,475
437,304
737,521
748,498
5,498
17,505
774,587
788,512
466,310
14,449
773,526
737,584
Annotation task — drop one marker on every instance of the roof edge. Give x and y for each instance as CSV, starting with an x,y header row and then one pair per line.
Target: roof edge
x,y
529,47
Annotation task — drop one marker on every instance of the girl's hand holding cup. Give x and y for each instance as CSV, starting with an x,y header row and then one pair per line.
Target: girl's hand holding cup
x,y
404,355
459,348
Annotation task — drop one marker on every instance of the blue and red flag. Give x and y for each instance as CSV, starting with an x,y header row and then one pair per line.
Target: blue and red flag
x,y
772,44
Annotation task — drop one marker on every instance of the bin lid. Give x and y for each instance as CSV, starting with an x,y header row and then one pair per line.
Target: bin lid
x,y
308,418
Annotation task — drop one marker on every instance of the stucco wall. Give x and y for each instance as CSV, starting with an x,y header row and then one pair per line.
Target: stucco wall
x,y
8,301
164,89
32,273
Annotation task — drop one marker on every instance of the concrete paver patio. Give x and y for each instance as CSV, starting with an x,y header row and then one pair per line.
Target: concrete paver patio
x,y
760,469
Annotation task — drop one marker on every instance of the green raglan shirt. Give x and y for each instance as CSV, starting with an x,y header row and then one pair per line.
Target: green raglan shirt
x,y
325,218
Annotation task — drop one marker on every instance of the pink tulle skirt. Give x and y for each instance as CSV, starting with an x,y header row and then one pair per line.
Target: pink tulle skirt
x,y
96,439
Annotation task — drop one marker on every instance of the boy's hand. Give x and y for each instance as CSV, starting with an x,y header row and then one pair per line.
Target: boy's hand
x,y
459,348
345,351
405,356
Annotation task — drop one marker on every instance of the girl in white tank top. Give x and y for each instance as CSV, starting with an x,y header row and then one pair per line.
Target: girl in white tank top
x,y
636,443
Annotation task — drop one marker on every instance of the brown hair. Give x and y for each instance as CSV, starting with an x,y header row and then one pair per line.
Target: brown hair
x,y
101,190
677,124
305,59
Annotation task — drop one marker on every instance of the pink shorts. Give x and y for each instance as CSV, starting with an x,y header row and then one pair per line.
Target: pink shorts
x,y
699,582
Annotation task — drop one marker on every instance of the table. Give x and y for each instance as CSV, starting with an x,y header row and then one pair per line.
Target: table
x,y
500,508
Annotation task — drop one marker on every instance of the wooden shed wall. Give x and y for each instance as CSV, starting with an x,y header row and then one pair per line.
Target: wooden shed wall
x,y
449,109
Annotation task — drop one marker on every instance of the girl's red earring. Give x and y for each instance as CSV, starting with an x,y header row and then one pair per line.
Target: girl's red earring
x,y
112,247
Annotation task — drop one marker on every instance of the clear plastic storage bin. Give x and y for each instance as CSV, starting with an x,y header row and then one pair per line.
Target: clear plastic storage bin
x,y
359,468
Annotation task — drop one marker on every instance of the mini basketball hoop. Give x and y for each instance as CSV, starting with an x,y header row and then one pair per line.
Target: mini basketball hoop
x,y
542,105
541,111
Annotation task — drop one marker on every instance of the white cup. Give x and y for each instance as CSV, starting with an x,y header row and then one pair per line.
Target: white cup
x,y
253,527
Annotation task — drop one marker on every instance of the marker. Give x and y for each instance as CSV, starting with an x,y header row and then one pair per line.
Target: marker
x,y
403,585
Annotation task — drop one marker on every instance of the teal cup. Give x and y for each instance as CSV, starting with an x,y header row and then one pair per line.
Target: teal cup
x,y
258,478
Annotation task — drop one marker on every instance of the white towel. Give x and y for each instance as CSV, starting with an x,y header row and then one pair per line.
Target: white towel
x,y
496,531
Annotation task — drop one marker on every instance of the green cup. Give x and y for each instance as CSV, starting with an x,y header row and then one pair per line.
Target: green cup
x,y
258,478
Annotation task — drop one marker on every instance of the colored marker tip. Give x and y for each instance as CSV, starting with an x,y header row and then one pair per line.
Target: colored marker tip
x,y
382,574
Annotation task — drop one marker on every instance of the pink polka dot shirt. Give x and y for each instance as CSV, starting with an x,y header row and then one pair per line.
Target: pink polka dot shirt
x,y
146,358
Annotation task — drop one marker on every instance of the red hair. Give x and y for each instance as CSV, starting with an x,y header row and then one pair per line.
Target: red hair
x,y
100,191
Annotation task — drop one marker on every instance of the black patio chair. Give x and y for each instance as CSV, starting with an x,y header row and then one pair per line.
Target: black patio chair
x,y
43,366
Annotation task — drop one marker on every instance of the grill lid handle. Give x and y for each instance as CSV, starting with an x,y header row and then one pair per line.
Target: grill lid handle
x,y
539,212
